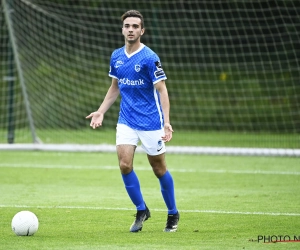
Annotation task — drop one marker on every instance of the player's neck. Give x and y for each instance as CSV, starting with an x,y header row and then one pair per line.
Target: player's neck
x,y
130,48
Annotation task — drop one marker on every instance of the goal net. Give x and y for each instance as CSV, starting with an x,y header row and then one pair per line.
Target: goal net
x,y
233,71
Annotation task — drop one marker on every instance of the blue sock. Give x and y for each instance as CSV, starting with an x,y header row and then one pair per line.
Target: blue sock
x,y
132,186
167,190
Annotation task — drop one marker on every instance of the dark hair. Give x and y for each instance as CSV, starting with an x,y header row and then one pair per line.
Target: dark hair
x,y
133,13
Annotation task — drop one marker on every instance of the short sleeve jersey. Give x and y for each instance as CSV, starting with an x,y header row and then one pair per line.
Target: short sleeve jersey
x,y
137,74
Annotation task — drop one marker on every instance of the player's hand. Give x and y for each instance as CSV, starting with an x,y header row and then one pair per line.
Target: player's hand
x,y
97,119
168,132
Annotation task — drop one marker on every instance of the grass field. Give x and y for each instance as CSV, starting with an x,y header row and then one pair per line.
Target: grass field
x,y
226,202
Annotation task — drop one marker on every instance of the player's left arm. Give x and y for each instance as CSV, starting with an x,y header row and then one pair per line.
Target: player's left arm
x,y
165,104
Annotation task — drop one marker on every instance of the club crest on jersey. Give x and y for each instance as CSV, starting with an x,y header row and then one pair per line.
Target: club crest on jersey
x,y
137,67
159,70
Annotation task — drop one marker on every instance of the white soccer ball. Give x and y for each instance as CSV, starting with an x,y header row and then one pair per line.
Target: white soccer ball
x,y
25,223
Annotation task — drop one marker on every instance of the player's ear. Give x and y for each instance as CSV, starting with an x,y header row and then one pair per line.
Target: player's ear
x,y
143,31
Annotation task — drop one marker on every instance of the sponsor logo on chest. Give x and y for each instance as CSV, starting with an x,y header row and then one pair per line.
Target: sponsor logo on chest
x,y
127,81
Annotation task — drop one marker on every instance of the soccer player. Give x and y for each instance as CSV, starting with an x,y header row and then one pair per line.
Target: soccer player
x,y
137,75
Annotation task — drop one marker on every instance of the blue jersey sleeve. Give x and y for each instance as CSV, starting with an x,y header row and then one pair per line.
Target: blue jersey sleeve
x,y
112,66
155,69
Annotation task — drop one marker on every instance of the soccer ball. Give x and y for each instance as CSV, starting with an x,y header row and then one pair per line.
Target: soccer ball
x,y
25,223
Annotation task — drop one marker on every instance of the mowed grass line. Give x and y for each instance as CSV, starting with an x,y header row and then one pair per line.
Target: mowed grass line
x,y
88,208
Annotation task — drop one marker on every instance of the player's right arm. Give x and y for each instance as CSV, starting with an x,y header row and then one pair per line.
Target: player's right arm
x,y
110,97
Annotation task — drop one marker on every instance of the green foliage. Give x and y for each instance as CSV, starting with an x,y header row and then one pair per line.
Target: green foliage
x,y
231,66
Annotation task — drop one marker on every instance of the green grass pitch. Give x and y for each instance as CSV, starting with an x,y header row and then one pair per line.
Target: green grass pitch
x,y
226,202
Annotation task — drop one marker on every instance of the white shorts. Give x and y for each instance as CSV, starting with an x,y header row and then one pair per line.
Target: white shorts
x,y
151,140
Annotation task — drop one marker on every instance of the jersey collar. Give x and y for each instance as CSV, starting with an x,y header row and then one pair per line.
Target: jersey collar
x,y
135,52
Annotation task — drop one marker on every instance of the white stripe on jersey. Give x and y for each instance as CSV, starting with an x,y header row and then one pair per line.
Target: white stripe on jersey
x,y
158,107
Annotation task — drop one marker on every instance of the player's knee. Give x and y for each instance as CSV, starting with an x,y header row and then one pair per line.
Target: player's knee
x,y
125,167
159,171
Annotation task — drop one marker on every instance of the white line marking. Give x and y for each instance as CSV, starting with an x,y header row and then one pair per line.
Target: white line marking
x,y
157,210
171,149
216,171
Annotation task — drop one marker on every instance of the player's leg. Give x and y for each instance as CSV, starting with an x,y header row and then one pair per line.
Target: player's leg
x,y
155,148
126,145
130,179
165,178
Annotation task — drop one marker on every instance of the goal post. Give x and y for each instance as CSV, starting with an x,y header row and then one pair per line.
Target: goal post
x,y
8,9
233,70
